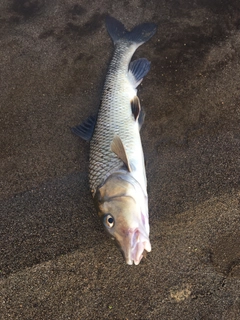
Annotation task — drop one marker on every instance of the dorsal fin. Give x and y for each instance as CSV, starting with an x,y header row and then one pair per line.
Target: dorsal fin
x,y
118,148
85,130
136,108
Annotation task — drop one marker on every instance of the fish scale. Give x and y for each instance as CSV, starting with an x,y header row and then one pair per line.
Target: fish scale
x,y
114,118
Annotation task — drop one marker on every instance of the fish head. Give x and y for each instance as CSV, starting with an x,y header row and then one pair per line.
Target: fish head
x,y
122,207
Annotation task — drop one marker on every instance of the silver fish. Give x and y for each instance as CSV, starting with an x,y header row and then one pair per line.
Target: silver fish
x,y
117,171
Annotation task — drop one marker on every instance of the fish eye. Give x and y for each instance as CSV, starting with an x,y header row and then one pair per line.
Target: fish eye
x,y
109,221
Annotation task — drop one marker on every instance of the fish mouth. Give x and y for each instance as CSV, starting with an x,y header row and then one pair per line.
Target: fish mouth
x,y
134,245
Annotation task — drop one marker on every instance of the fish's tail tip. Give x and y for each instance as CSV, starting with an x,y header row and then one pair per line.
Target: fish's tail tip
x,y
139,34
115,28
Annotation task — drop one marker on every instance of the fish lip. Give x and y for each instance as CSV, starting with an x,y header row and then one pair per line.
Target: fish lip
x,y
134,245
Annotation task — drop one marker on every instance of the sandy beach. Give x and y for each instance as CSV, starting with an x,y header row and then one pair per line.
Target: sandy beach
x,y
56,262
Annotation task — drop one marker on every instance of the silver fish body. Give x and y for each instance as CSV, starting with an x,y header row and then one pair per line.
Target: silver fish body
x,y
116,169
115,118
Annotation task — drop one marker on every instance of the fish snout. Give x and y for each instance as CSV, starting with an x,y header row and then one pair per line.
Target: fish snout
x,y
134,245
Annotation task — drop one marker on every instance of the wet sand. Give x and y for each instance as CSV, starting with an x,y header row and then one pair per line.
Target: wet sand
x,y
56,262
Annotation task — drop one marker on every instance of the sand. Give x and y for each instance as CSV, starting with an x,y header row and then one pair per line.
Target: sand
x,y
56,262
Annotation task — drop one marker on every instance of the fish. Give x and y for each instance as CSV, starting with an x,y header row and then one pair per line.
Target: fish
x,y
117,175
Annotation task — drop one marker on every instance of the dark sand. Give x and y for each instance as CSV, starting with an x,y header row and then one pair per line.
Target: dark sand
x,y
56,261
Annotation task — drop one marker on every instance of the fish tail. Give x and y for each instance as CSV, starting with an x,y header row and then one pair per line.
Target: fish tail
x,y
138,35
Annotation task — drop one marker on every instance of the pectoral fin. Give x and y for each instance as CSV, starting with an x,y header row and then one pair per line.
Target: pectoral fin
x,y
118,148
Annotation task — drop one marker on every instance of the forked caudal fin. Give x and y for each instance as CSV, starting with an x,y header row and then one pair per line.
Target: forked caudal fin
x,y
138,35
